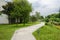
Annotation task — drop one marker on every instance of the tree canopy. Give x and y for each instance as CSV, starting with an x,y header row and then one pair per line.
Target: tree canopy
x,y
53,18
18,9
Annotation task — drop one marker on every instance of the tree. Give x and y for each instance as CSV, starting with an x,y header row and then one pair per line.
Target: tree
x,y
8,8
59,13
18,10
33,18
0,12
53,18
38,15
24,8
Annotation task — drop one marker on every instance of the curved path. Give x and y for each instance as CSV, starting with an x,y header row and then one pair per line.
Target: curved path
x,y
26,33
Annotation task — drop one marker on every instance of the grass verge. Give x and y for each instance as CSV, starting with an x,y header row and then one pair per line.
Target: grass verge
x,y
48,32
6,31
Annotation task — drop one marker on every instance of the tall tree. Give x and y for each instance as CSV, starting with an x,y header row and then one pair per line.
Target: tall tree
x,y
38,15
8,8
59,13
18,10
23,9
33,18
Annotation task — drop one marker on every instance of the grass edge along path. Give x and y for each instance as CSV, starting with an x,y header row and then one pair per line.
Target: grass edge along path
x,y
7,31
47,32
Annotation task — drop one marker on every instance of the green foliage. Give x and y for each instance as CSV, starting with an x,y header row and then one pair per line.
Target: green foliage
x,y
8,8
33,18
36,17
46,20
54,18
18,10
39,17
0,12
23,9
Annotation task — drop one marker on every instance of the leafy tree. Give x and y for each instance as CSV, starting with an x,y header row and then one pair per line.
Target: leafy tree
x,y
24,8
59,13
8,8
41,17
18,10
53,18
0,12
38,15
33,18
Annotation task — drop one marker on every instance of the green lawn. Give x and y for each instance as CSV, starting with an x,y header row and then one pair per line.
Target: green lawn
x,y
6,31
48,32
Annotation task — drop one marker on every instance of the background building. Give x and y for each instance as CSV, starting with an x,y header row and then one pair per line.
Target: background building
x,y
3,17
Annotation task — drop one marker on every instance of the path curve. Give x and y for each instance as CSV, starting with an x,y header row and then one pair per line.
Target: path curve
x,y
26,33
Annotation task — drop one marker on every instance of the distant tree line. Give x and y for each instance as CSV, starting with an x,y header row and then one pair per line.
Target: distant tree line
x,y
53,18
36,17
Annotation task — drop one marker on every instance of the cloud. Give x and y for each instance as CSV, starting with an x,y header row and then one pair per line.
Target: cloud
x,y
32,1
46,7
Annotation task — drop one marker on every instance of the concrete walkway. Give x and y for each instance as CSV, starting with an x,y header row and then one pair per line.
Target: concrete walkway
x,y
26,33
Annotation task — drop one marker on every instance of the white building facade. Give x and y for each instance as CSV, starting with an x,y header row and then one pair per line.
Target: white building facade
x,y
3,17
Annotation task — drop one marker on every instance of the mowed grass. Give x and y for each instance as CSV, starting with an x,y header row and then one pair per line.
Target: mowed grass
x,y
7,31
48,32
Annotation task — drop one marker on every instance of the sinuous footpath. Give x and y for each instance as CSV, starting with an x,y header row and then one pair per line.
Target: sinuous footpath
x,y
26,33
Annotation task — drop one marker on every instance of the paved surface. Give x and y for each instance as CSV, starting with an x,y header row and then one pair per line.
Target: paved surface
x,y
26,33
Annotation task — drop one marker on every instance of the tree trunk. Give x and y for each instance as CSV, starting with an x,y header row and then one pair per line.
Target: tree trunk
x,y
17,22
9,19
24,21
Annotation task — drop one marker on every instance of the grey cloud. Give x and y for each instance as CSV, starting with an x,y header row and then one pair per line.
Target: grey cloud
x,y
48,8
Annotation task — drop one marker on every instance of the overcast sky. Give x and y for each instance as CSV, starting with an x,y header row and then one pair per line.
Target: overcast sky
x,y
45,7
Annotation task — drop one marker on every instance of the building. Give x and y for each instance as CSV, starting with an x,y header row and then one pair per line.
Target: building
x,y
3,17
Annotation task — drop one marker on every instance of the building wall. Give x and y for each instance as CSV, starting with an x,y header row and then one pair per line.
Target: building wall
x,y
4,19
2,2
